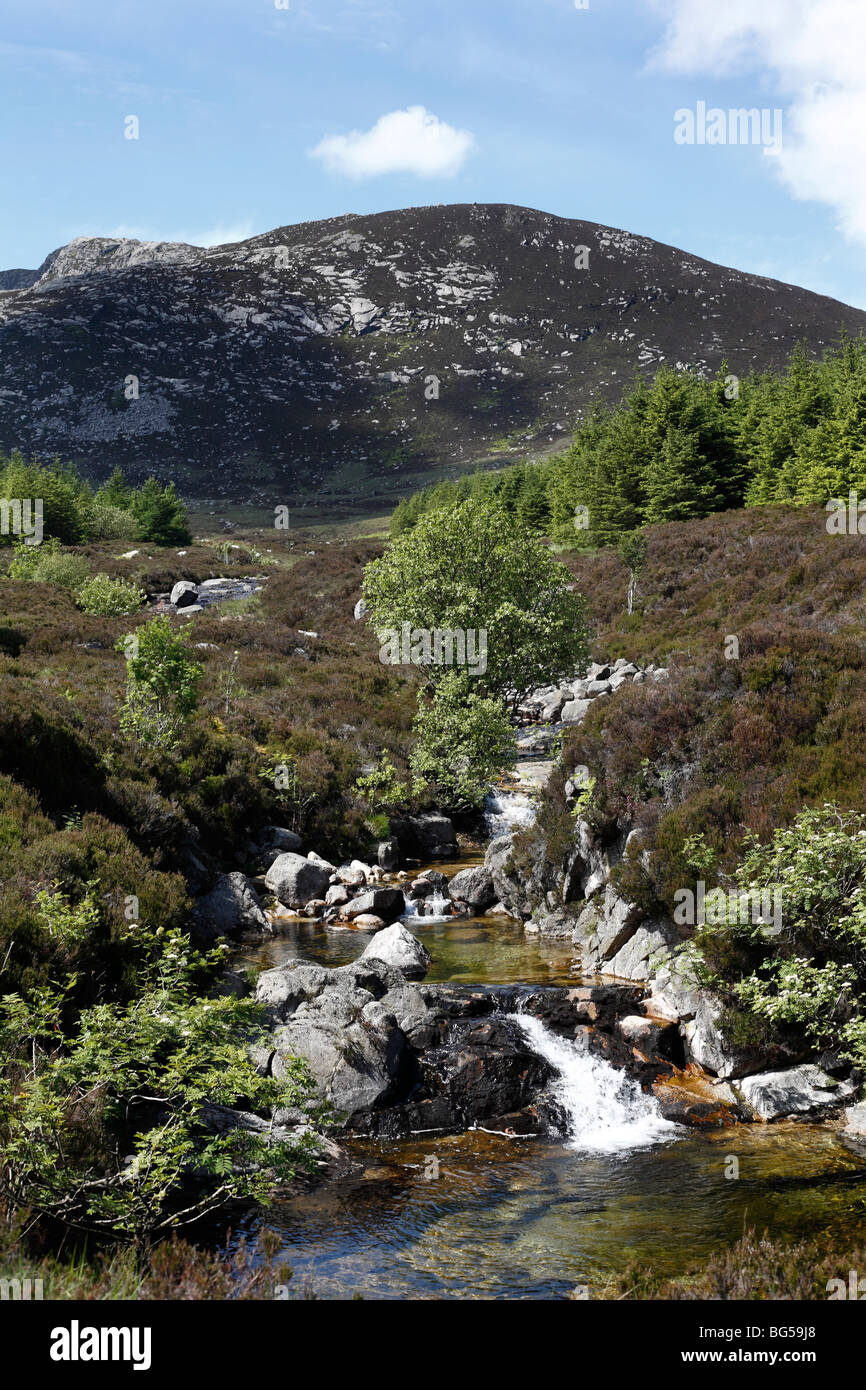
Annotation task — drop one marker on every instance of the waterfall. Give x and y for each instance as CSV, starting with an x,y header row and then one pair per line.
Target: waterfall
x,y
435,908
607,1111
507,811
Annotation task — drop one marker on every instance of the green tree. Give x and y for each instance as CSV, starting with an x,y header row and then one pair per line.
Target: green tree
x,y
160,514
463,741
469,569
162,685
632,551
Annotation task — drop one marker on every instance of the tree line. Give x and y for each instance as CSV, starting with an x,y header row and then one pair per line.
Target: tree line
x,y
683,447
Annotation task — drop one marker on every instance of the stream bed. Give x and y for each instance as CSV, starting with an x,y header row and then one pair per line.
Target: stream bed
x,y
486,1215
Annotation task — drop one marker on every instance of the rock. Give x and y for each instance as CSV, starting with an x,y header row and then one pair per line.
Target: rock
x,y
655,1039
708,1046
337,895
428,836
366,921
661,674
552,707
398,947
360,610
388,855
854,1133
343,1023
189,610
184,594
644,953
598,673
802,1090
574,711
474,887
387,903
296,880
277,837
596,688
320,862
231,908
352,877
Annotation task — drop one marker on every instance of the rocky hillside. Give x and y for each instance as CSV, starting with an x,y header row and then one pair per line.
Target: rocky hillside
x,y
360,356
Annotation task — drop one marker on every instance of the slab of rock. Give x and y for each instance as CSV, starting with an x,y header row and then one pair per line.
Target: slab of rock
x,y
398,947
803,1090
295,880
387,903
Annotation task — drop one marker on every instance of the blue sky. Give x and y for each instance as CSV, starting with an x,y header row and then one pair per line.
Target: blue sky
x,y
245,109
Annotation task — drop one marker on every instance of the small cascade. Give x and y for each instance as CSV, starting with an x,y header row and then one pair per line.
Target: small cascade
x,y
507,811
435,908
607,1110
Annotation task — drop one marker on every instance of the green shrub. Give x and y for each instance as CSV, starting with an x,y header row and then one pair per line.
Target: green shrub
x,y
109,523
48,564
107,598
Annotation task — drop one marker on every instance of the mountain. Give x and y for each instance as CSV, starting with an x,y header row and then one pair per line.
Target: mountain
x,y
307,361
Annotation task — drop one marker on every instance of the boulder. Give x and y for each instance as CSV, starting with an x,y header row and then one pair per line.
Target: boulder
x,y
352,877
184,594
317,859
474,887
296,880
337,895
231,908
398,947
574,711
368,922
598,673
277,837
429,836
387,903
801,1090
360,610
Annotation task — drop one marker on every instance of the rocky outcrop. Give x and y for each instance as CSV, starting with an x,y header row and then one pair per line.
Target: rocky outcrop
x,y
427,836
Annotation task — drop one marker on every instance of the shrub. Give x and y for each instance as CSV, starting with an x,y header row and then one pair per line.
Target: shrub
x,y
162,685
109,523
108,598
48,564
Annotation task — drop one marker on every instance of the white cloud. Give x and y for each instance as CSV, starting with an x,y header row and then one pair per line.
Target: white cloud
x,y
815,50
218,235
403,142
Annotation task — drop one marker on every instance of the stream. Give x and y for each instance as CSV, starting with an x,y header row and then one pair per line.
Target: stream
x,y
486,1215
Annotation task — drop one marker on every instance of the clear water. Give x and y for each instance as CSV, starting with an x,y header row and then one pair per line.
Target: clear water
x,y
524,1217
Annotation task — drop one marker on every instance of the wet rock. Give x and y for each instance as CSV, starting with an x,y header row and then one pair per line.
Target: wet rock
x,y
367,921
294,880
431,836
388,855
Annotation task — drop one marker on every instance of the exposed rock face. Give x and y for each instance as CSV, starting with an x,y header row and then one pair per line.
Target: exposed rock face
x,y
296,880
231,908
398,947
184,594
280,334
805,1090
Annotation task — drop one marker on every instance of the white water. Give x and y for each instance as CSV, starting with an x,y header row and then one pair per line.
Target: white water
x,y
435,908
507,811
607,1111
